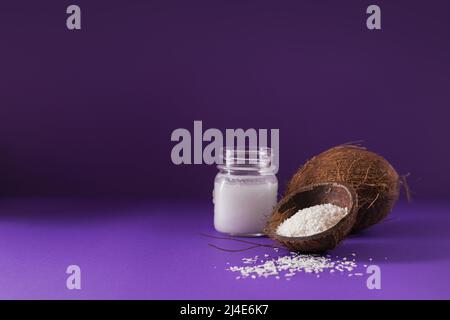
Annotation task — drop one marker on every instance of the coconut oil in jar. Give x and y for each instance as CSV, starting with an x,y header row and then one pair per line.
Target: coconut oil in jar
x,y
245,192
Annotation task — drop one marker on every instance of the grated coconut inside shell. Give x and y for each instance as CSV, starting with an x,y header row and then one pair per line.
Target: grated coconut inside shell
x,y
311,220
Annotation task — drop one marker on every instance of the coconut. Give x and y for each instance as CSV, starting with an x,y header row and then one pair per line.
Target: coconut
x,y
339,194
374,179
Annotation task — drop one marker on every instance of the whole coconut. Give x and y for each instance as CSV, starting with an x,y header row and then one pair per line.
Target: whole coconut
x,y
375,181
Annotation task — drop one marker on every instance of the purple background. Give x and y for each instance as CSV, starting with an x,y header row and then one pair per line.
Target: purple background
x,y
91,112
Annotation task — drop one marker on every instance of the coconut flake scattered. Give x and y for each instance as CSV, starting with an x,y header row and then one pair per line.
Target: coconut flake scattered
x,y
289,265
311,220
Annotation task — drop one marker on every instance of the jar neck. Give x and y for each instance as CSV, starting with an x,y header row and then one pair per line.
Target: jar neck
x,y
241,172
247,162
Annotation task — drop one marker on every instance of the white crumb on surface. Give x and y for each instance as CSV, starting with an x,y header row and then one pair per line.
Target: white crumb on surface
x,y
311,220
289,265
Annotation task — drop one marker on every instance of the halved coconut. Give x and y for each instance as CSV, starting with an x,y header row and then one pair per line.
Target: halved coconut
x,y
339,194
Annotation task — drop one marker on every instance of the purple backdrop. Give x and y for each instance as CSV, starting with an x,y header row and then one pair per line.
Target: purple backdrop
x,y
91,112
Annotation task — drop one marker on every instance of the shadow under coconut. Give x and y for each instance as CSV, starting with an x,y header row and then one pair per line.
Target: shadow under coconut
x,y
372,252
415,238
413,229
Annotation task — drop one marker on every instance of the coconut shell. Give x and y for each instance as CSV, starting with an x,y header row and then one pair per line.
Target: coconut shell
x,y
374,179
342,195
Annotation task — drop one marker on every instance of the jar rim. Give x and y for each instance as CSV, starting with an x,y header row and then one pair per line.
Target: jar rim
x,y
246,159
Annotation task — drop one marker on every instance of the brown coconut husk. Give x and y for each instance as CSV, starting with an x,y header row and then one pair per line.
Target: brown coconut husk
x,y
374,179
340,194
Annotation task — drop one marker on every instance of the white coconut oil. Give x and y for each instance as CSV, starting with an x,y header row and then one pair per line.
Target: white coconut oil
x,y
244,193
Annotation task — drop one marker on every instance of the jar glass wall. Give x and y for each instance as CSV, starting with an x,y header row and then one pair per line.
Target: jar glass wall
x,y
245,191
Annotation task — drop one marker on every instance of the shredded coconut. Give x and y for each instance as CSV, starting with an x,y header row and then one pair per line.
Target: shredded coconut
x,y
289,265
312,220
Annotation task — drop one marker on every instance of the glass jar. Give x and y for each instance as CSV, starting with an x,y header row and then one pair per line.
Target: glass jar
x,y
245,191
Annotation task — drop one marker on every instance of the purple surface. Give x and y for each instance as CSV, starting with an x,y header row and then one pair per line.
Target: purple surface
x,y
139,249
